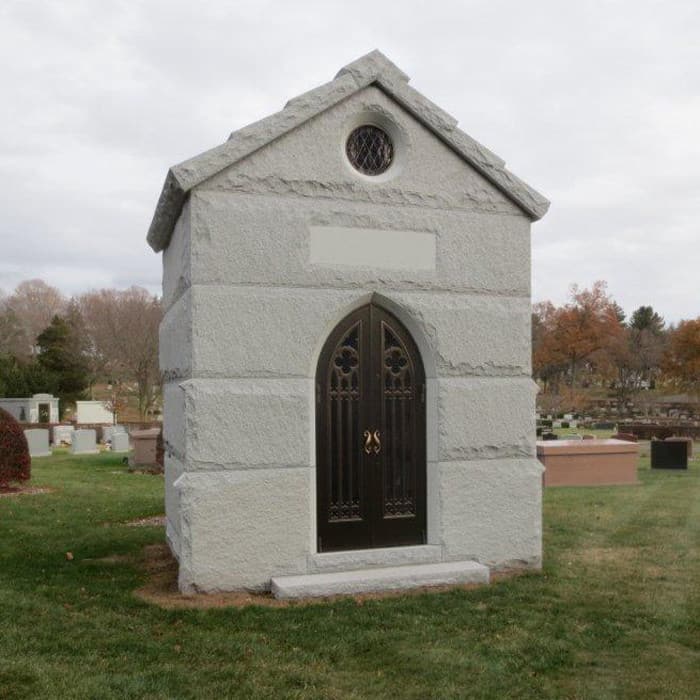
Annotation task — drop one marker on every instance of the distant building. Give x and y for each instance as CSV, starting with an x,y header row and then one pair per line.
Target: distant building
x,y
93,412
40,408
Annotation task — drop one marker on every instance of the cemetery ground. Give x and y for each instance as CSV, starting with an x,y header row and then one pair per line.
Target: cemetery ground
x,y
615,613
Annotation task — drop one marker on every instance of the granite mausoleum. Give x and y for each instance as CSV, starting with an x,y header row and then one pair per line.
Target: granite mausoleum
x,y
346,349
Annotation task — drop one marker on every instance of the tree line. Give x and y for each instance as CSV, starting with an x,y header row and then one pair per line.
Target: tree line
x,y
588,345
65,346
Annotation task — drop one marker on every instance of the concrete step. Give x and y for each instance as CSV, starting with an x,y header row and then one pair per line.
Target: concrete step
x,y
383,579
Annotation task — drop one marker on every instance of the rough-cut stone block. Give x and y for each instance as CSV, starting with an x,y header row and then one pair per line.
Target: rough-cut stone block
x,y
84,442
240,528
172,468
470,334
174,418
473,334
175,338
120,442
248,422
297,321
486,417
241,244
384,579
38,441
491,511
176,259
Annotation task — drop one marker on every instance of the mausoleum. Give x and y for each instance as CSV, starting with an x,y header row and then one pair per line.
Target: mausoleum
x,y
39,408
348,401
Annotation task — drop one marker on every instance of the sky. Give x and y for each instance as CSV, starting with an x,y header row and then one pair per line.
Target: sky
x,y
594,104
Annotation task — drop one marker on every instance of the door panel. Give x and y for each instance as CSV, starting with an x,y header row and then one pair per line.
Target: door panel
x,y
370,435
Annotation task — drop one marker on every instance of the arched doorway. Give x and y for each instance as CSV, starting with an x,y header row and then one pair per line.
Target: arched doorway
x,y
370,435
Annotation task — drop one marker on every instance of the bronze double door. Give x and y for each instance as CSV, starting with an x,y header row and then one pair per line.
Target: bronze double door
x,y
370,435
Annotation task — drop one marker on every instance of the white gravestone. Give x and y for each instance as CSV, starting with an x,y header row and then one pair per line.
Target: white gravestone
x,y
120,442
84,442
38,441
62,434
109,430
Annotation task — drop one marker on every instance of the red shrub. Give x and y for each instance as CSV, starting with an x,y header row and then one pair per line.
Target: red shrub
x,y
15,462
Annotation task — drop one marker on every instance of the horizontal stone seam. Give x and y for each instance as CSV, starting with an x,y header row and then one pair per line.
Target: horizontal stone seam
x,y
495,210
173,377
196,467
299,378
363,287
514,455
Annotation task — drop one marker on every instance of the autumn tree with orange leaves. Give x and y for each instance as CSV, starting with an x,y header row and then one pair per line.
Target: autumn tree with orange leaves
x,y
567,338
681,363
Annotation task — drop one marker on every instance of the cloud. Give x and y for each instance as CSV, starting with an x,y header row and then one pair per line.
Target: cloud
x,y
594,104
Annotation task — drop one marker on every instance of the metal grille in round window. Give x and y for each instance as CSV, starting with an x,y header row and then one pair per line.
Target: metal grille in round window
x,y
370,150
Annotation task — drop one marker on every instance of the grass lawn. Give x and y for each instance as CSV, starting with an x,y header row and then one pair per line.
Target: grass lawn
x,y
614,614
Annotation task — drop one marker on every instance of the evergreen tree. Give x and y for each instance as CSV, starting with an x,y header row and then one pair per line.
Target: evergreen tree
x,y
61,356
646,319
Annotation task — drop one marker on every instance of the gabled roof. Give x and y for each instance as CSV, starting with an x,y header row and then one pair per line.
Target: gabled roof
x,y
372,69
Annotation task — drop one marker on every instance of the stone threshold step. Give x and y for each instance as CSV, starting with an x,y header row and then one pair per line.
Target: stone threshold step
x,y
378,558
373,580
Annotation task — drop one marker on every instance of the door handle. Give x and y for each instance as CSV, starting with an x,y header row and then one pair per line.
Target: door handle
x,y
372,437
368,441
377,442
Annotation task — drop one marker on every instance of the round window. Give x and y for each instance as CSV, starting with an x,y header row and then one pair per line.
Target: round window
x,y
370,150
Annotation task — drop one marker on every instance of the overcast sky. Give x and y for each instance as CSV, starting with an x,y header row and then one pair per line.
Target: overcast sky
x,y
595,104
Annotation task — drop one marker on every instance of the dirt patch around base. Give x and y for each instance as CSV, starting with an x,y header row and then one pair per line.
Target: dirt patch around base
x,y
161,588
153,521
23,491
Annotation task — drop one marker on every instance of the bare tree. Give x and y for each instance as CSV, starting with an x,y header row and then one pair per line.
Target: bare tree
x,y
123,331
34,303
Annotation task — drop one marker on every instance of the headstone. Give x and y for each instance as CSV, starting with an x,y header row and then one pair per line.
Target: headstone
x,y
573,424
668,455
120,442
688,441
550,436
62,435
109,430
144,453
556,424
84,442
38,441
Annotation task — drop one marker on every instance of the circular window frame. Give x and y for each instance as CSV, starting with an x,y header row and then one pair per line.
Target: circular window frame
x,y
394,132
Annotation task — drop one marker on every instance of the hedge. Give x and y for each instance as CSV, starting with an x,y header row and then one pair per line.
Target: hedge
x,y
15,462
